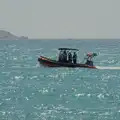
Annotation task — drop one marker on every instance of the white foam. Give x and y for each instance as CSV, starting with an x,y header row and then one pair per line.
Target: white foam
x,y
107,68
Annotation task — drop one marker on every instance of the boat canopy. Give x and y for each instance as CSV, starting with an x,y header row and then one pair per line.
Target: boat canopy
x,y
68,49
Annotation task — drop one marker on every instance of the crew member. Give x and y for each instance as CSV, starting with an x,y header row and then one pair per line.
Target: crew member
x,y
64,56
89,59
69,57
60,56
74,58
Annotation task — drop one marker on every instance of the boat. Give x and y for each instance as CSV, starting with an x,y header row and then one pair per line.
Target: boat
x,y
45,61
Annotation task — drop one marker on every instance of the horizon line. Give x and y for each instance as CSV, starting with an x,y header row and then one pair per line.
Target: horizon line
x,y
73,38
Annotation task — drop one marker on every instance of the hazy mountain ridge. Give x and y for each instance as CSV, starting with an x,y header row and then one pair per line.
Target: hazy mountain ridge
x,y
5,35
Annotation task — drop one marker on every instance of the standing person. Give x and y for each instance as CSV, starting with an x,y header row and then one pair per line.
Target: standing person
x,y
74,58
89,59
65,56
60,56
69,57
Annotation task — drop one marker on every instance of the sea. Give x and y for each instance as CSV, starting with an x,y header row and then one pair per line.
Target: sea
x,y
30,91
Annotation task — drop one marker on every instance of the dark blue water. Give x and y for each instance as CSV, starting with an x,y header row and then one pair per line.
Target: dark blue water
x,y
29,91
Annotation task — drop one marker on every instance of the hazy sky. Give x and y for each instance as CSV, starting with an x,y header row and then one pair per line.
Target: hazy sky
x,y
61,18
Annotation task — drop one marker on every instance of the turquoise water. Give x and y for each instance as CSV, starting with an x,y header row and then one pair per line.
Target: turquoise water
x,y
29,91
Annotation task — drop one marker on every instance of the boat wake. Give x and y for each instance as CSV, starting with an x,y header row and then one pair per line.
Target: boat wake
x,y
107,68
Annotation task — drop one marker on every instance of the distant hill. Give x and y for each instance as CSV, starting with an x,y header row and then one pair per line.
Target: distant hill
x,y
4,35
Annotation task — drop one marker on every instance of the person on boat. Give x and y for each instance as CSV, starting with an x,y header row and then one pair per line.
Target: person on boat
x,y
64,56
74,58
60,59
89,59
69,57
88,62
